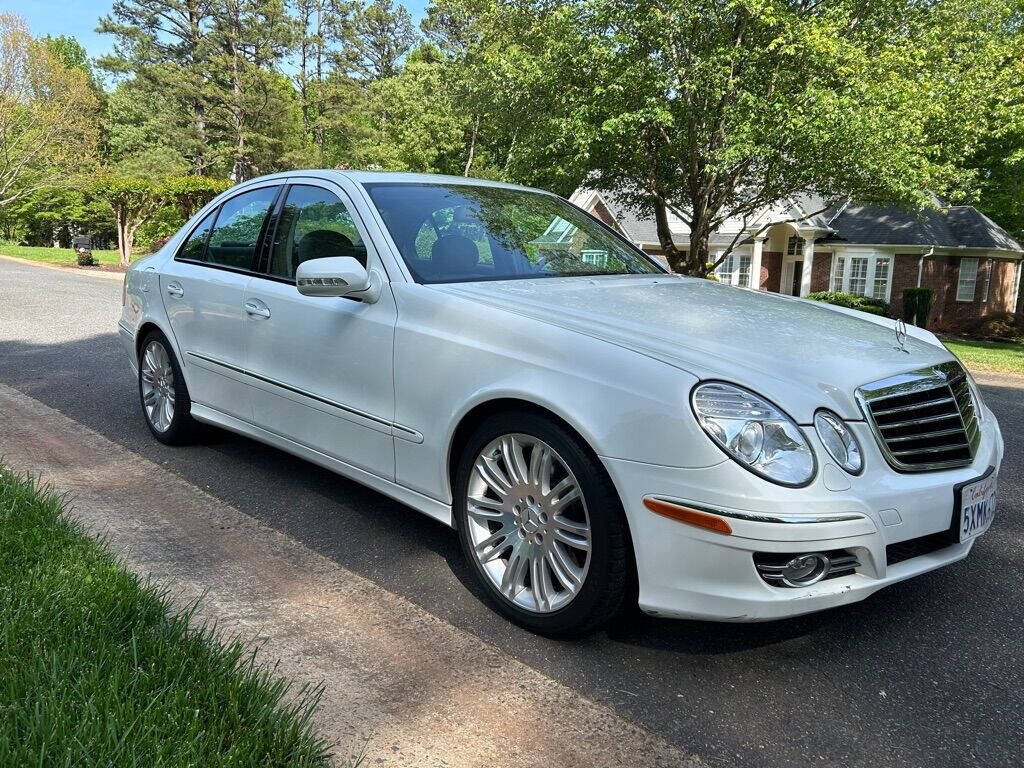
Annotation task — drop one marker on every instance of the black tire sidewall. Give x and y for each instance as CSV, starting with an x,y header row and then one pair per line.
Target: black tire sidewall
x,y
182,425
601,595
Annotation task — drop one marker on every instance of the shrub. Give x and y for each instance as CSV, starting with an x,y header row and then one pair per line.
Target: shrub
x,y
86,259
917,304
1003,326
851,301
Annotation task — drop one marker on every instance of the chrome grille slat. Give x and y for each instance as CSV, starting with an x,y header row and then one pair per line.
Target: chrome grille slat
x,y
945,431
914,407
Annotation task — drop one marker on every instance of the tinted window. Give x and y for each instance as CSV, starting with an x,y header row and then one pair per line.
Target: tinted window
x,y
455,232
237,233
195,246
314,224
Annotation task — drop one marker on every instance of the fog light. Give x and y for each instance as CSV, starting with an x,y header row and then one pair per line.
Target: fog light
x,y
805,568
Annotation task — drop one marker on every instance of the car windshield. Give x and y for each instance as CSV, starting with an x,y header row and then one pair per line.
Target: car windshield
x,y
451,233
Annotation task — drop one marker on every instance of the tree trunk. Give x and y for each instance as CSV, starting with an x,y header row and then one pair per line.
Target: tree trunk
x,y
675,257
472,146
125,239
700,250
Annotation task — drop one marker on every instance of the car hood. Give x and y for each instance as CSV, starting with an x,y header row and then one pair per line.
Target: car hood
x,y
801,354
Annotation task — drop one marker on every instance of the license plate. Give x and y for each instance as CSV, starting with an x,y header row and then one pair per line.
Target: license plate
x,y
977,507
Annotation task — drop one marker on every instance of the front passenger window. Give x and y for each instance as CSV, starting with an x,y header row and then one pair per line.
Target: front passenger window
x,y
314,224
237,233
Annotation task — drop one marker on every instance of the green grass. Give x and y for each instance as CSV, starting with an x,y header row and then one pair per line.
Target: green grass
x,y
996,356
63,256
96,668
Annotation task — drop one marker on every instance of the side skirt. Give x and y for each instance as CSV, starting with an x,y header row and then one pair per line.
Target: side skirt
x,y
425,504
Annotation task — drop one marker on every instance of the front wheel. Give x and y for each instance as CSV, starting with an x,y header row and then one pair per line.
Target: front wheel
x,y
541,525
165,399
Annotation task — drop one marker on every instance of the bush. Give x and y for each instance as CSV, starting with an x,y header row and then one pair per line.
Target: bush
x,y
1004,326
86,259
917,304
852,301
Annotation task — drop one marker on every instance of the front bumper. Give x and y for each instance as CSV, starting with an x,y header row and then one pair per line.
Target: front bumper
x,y
690,572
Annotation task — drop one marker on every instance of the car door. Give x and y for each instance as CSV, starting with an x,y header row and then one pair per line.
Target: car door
x,y
203,290
322,366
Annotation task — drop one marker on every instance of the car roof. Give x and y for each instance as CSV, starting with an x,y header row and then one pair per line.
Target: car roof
x,y
392,177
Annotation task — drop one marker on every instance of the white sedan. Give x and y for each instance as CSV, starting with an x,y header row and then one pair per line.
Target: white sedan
x,y
597,431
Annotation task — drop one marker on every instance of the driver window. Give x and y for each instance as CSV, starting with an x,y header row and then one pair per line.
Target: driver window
x,y
314,224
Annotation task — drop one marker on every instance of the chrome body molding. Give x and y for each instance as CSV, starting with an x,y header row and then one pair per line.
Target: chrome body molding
x,y
398,430
763,517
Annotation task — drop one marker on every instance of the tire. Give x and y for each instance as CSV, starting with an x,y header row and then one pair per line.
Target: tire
x,y
161,381
536,533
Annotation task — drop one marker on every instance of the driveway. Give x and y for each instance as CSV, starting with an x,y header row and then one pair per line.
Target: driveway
x,y
926,673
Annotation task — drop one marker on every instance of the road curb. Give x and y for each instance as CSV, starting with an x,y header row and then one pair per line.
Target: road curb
x,y
422,692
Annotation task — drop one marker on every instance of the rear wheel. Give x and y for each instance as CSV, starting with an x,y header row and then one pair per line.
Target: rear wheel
x,y
541,525
162,391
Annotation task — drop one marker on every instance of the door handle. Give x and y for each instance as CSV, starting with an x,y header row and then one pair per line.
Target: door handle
x,y
175,290
257,309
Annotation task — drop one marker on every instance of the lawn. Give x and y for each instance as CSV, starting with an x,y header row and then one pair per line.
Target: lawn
x,y
62,256
96,667
992,356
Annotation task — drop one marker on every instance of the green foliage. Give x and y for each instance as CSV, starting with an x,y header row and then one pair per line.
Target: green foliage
x,y
716,108
95,661
999,357
852,301
917,304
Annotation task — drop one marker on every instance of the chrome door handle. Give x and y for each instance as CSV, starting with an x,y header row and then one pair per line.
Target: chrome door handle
x,y
175,290
257,309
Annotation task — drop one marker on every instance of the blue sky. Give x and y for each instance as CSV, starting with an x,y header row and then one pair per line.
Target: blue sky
x,y
78,18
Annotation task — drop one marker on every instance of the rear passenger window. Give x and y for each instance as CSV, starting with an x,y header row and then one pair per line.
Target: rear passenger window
x,y
237,232
314,224
195,246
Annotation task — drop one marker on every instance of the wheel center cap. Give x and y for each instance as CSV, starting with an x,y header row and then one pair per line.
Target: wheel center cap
x,y
531,517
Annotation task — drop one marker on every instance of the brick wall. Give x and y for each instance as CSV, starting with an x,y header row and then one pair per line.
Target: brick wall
x,y
904,275
601,212
821,269
771,271
941,274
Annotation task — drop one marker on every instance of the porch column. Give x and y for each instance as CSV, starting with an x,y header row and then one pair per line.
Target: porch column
x,y
755,262
805,275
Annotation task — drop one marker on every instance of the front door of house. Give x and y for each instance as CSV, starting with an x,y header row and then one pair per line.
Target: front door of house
x,y
798,272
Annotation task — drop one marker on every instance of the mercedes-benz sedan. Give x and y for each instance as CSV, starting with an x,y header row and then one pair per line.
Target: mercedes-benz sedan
x,y
595,429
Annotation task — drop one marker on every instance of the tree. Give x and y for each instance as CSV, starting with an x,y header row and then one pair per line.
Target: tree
x,y
166,46
413,121
249,95
383,34
190,193
713,109
133,201
47,114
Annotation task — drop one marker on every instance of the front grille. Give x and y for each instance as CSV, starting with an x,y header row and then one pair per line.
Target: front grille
x,y
924,419
922,545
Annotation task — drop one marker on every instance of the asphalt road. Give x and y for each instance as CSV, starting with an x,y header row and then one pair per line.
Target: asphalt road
x,y
926,673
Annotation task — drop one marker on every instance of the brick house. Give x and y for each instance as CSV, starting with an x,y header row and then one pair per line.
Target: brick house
x,y
972,264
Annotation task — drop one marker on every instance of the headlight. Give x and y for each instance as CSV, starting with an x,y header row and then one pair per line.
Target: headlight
x,y
839,441
754,432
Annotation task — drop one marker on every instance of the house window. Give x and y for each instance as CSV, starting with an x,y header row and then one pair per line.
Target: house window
x,y
734,270
881,278
837,273
858,276
987,282
866,275
967,283
795,246
743,273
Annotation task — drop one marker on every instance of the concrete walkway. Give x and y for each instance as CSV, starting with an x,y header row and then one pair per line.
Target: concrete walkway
x,y
423,692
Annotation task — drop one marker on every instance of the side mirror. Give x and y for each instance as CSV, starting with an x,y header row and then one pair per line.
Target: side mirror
x,y
333,276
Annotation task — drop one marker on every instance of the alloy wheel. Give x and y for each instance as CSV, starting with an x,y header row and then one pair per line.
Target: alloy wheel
x,y
528,523
157,376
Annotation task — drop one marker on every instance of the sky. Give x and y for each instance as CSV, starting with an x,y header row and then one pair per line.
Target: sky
x,y
78,19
